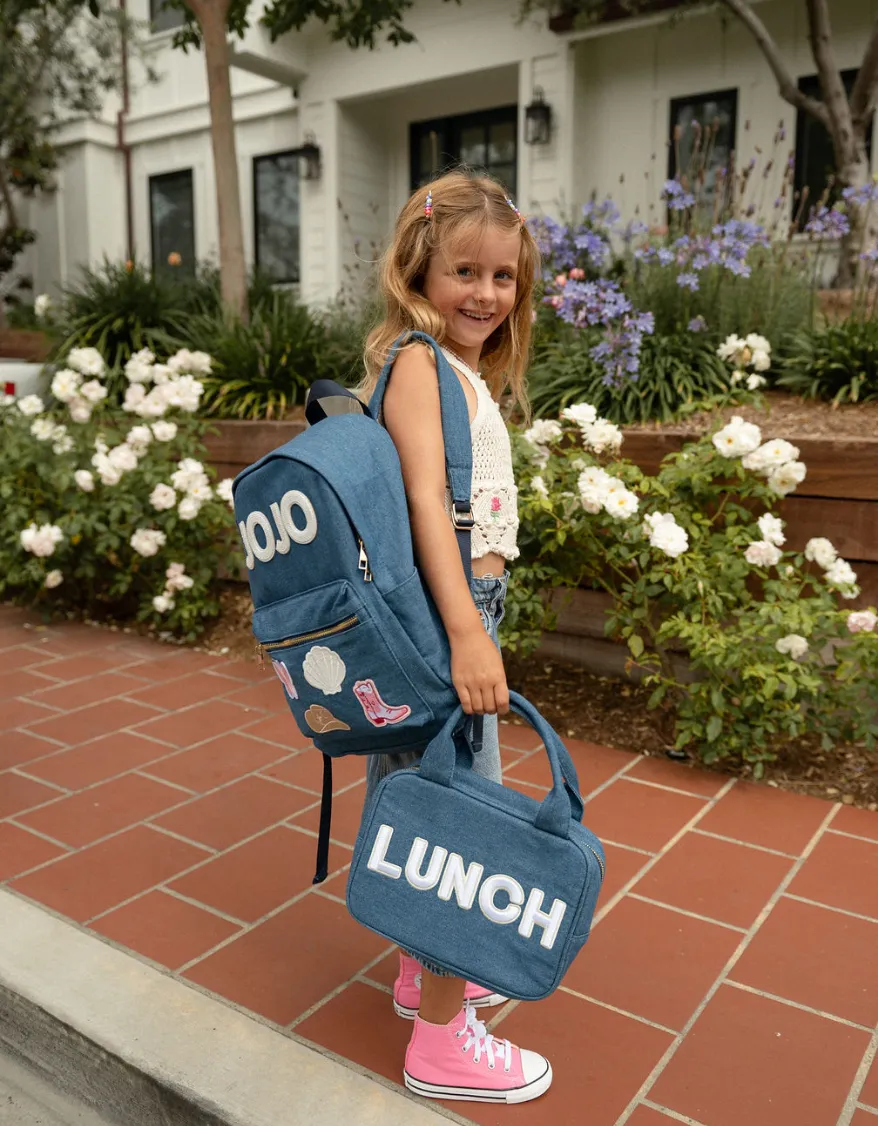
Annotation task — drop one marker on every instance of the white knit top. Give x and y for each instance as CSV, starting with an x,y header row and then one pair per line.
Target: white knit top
x,y
494,495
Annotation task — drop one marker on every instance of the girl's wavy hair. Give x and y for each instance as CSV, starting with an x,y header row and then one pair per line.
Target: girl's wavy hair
x,y
464,207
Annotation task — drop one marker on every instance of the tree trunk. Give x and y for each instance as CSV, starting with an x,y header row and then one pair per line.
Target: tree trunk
x,y
212,16
853,172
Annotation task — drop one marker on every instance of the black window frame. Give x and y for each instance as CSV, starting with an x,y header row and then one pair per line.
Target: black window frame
x,y
731,93
257,160
449,131
187,254
162,18
809,130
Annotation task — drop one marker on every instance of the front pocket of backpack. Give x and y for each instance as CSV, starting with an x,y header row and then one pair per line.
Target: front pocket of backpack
x,y
346,688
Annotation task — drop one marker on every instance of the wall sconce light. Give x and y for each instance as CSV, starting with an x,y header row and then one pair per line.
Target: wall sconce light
x,y
538,120
309,158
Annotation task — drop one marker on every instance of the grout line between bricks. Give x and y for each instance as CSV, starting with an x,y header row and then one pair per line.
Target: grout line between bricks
x,y
338,989
798,1005
673,1114
669,1054
615,1009
209,849
204,906
850,1106
44,836
689,914
830,907
669,789
745,844
21,771
854,836
868,1109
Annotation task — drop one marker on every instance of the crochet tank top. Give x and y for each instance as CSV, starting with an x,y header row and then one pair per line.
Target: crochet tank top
x,y
494,495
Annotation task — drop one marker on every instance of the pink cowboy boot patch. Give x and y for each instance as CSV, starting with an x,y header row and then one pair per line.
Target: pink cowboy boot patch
x,y
377,712
283,675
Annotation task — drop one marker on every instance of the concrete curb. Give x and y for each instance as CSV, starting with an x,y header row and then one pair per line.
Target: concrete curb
x,y
147,1050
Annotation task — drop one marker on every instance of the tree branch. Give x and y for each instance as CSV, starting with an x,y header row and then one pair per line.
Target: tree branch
x,y
866,85
787,88
834,94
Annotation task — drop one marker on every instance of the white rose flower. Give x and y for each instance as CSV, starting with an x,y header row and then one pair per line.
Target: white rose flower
x,y
593,485
754,382
731,348
760,361
161,373
85,480
189,508
666,534
762,554
737,377
757,343
135,393
200,491
42,305
842,575
621,503
109,474
53,579
582,414
164,431
738,438
31,405
139,438
62,443
87,361
41,540
602,435
43,429
162,603
122,457
224,488
195,363
543,431
6,400
862,621
139,367
147,541
771,455
771,528
785,478
177,577
794,645
80,409
65,384
821,551
184,393
537,485
188,474
162,497
93,391
154,404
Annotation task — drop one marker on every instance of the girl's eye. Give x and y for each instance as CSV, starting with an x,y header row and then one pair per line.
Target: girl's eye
x,y
464,271
506,275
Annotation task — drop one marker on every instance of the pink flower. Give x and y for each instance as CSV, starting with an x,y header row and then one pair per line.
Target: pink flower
x,y
577,273
495,506
561,280
555,302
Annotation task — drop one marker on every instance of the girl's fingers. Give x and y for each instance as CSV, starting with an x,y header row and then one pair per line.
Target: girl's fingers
x,y
501,695
465,700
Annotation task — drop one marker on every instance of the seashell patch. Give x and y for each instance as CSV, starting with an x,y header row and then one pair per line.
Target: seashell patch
x,y
324,669
321,720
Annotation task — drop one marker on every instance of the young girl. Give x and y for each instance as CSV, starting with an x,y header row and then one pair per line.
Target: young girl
x,y
461,267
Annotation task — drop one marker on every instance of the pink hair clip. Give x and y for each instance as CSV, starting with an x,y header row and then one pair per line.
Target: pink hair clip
x,y
515,209
428,206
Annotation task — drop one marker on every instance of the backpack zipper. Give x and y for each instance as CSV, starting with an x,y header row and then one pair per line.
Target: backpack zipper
x,y
363,564
315,635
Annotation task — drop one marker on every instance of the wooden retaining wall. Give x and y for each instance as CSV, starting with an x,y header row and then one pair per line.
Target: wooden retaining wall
x,y
838,499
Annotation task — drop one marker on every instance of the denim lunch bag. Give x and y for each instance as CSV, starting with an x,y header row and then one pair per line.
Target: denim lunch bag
x,y
492,885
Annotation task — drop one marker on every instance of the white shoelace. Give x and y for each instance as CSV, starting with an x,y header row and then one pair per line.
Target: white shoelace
x,y
479,1038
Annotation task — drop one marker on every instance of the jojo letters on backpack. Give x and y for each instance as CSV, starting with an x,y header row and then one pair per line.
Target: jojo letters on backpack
x,y
487,882
339,606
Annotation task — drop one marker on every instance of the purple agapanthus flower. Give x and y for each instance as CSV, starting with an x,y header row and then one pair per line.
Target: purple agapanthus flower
x,y
688,281
676,196
861,196
602,303
697,324
828,223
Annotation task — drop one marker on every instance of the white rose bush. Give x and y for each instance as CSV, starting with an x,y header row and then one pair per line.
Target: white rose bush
x,y
108,507
745,643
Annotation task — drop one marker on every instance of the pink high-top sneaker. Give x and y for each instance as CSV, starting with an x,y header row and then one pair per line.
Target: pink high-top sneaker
x,y
407,991
462,1060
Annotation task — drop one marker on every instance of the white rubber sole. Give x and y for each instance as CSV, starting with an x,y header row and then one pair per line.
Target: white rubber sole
x,y
531,1090
488,1002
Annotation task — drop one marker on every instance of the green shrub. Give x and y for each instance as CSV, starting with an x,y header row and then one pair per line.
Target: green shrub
x,y
838,362
679,373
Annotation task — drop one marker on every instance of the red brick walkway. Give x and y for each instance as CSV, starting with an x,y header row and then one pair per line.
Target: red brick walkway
x,y
162,799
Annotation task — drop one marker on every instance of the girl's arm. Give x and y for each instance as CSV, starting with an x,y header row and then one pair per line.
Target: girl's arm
x,y
413,419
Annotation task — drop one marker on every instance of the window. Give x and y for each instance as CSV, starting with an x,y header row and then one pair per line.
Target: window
x,y
692,149
486,142
172,221
276,215
815,160
163,18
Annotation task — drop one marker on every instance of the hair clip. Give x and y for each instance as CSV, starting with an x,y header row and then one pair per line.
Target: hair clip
x,y
428,206
515,209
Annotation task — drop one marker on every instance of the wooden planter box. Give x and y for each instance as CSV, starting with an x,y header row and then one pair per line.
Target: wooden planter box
x,y
21,344
838,499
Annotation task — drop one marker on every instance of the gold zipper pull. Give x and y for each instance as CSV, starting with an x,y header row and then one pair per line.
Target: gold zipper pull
x,y
364,563
260,649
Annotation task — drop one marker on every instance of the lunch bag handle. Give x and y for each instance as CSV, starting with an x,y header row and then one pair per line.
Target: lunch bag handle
x,y
561,804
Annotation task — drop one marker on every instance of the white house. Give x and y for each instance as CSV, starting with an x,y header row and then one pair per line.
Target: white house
x,y
384,120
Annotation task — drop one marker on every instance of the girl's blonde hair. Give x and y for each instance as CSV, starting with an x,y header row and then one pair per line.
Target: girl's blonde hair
x,y
463,207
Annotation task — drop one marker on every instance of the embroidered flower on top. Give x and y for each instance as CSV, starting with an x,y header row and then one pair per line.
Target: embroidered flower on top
x,y
378,713
496,506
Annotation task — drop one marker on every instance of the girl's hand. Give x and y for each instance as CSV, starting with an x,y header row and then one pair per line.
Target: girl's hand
x,y
478,675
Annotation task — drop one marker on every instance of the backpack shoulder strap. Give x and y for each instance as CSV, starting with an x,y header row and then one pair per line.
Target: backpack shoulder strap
x,y
455,434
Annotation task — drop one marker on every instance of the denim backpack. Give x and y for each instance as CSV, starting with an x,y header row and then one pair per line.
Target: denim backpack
x,y
485,881
340,609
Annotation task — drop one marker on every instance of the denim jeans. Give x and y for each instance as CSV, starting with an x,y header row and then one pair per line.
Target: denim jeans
x,y
489,594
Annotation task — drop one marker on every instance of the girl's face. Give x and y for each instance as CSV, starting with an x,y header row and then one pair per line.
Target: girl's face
x,y
475,289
